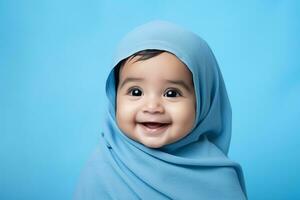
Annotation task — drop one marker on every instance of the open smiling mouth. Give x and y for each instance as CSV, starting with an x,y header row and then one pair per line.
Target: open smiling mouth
x,y
154,127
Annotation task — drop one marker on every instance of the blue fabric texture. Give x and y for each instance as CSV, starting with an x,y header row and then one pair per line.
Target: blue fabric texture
x,y
195,167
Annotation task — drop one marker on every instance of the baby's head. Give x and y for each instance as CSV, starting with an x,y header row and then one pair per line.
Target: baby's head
x,y
156,103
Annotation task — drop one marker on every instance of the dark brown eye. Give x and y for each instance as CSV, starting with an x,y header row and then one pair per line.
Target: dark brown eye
x,y
135,92
172,93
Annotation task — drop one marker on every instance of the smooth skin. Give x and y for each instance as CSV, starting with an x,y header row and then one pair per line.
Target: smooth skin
x,y
157,90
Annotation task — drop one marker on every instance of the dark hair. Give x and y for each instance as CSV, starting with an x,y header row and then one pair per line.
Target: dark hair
x,y
144,55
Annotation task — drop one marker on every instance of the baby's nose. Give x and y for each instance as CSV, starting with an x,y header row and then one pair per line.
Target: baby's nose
x,y
153,105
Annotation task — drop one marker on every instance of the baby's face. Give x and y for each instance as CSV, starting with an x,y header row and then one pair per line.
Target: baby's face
x,y
155,100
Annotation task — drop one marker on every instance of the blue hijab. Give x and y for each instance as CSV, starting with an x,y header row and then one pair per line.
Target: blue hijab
x,y
195,167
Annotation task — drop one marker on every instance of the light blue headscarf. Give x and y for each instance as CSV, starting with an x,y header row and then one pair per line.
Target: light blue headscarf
x,y
195,167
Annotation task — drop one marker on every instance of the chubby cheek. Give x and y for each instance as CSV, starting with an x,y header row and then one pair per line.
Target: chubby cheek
x,y
183,116
125,115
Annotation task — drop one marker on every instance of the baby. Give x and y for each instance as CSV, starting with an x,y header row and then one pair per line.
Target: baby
x,y
167,130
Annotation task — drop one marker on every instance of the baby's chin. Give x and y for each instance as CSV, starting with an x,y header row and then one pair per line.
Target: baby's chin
x,y
153,146
149,142
154,143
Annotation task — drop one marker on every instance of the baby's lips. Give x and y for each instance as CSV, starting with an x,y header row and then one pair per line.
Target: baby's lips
x,y
154,124
153,120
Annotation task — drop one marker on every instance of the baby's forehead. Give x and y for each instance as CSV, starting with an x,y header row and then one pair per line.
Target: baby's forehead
x,y
163,67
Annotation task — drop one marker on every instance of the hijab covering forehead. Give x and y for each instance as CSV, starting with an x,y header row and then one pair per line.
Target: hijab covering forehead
x,y
195,167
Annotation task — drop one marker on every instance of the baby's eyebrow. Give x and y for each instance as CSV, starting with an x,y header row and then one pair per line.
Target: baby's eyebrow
x,y
131,79
181,83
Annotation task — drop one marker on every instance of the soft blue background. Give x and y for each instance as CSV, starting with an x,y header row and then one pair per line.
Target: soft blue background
x,y
55,56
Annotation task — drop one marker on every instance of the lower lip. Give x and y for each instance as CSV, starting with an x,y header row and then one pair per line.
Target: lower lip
x,y
154,131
